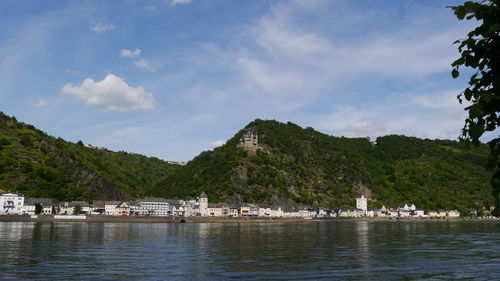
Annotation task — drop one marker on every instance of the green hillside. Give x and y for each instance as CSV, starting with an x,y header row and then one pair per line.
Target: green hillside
x,y
297,165
39,165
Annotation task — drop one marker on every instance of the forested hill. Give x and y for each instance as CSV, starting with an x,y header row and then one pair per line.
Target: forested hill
x,y
38,165
296,165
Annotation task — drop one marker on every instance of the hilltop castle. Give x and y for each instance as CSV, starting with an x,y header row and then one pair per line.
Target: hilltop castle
x,y
250,140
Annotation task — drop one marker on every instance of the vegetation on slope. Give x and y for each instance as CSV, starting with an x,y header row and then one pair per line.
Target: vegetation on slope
x,y
299,165
39,165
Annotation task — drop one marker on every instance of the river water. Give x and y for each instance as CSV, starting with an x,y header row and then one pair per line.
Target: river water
x,y
261,251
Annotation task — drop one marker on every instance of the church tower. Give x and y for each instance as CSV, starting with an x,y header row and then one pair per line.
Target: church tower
x,y
203,202
362,204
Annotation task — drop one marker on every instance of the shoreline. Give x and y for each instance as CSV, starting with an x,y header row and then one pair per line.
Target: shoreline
x,y
112,219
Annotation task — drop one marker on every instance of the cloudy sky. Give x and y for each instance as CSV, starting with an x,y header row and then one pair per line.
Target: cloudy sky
x,y
172,78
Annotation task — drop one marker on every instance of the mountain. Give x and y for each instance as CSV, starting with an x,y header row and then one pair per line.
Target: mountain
x,y
284,164
277,163
39,165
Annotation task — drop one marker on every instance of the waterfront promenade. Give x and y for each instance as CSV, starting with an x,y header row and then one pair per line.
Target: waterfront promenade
x,y
137,219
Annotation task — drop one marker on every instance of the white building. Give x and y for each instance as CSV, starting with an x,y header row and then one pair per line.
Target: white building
x,y
158,207
277,213
362,204
110,207
214,210
203,204
65,208
29,209
11,203
419,214
370,213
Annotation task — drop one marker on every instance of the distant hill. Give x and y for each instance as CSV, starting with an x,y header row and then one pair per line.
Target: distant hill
x,y
39,165
293,165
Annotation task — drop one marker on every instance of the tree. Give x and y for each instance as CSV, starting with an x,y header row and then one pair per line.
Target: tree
x,y
78,210
38,208
481,52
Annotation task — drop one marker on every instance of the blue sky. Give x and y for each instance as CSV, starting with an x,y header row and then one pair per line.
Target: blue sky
x,y
172,78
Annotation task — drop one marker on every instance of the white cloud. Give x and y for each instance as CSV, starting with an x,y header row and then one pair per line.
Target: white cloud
x,y
38,103
71,71
151,8
217,143
179,2
112,94
436,115
144,64
41,103
101,27
129,53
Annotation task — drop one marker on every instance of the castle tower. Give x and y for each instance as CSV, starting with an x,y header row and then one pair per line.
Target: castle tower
x,y
250,140
362,204
203,202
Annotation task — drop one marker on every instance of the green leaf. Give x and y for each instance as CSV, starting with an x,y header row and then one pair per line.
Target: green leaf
x,y
468,94
454,73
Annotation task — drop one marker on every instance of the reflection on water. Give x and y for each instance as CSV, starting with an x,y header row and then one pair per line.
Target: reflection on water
x,y
308,250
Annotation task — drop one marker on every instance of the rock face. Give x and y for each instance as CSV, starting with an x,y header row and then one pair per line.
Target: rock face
x,y
96,186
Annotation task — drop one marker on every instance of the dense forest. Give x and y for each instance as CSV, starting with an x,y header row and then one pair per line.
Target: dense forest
x,y
293,165
297,165
39,165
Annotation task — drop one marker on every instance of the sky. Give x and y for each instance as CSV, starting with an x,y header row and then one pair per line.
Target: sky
x,y
173,78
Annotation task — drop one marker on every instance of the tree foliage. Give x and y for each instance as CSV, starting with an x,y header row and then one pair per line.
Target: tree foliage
x,y
306,166
39,165
481,52
78,210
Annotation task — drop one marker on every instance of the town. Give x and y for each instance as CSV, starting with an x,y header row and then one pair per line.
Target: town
x,y
17,204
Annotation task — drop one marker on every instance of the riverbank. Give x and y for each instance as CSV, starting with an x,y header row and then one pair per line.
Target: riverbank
x,y
113,219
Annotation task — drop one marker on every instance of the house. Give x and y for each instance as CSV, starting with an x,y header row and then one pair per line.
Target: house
x,y
30,203
122,209
11,203
442,214
379,212
249,210
178,209
264,211
453,214
233,212
323,213
370,213
66,208
405,212
413,207
245,210
276,213
393,213
98,207
215,210
84,205
29,209
110,207
307,212
347,213
433,214
419,214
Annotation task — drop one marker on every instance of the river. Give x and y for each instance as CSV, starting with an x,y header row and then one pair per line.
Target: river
x,y
358,250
